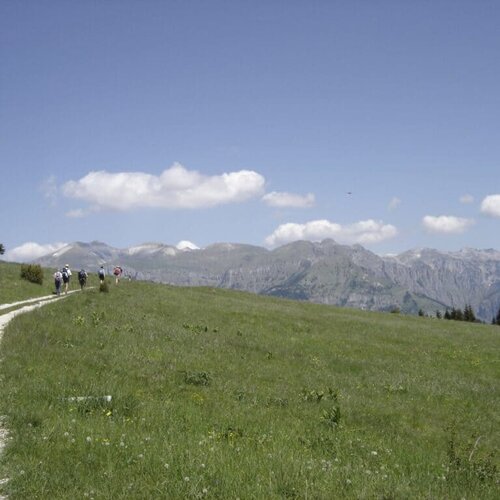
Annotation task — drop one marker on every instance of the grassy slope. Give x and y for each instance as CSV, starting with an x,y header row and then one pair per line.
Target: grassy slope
x,y
208,400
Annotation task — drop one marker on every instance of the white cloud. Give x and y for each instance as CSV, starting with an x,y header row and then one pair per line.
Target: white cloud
x,y
491,205
394,203
467,199
448,224
30,251
285,200
363,232
185,244
176,187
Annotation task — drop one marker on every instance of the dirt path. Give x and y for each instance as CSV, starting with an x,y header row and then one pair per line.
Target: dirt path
x,y
29,301
34,303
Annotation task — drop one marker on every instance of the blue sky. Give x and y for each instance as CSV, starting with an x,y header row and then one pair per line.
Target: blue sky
x,y
237,121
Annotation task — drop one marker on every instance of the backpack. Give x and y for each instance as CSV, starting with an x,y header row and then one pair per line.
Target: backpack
x,y
65,274
57,277
101,273
82,275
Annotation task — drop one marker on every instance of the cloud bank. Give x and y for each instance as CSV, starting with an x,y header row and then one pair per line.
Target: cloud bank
x,y
491,205
288,200
176,187
363,232
30,251
447,224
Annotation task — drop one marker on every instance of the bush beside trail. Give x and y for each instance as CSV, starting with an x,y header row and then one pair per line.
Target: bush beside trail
x,y
32,273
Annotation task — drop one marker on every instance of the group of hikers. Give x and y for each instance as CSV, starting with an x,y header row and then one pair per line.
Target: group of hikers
x,y
62,277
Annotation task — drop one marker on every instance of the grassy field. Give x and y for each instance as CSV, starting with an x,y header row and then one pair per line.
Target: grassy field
x,y
221,394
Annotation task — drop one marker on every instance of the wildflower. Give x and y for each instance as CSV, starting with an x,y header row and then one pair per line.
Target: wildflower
x,y
186,479
88,439
166,466
374,453
66,434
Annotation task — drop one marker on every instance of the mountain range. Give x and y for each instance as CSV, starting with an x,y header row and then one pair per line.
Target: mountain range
x,y
323,272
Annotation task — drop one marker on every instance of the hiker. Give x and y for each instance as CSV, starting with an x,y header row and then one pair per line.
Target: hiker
x,y
82,278
57,281
117,271
102,274
66,275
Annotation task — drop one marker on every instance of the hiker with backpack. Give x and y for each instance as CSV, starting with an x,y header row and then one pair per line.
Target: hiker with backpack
x,y
58,281
66,275
101,274
82,278
117,271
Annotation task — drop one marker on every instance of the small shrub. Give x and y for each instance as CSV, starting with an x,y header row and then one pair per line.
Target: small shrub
x,y
104,287
32,273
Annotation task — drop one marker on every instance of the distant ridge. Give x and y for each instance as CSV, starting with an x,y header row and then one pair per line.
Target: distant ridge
x,y
323,272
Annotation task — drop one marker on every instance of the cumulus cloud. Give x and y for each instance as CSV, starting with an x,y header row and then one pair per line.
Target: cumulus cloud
x,y
447,224
394,203
185,244
288,200
491,205
363,232
30,251
466,199
176,187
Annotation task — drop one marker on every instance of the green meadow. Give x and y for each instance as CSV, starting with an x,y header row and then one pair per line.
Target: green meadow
x,y
219,394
